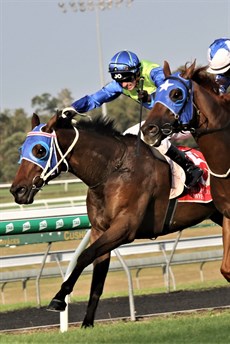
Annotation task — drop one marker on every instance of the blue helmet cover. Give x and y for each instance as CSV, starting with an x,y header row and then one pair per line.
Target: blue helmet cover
x,y
124,61
182,108
220,43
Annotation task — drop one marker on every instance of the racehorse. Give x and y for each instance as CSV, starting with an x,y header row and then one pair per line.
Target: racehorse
x,y
127,198
188,101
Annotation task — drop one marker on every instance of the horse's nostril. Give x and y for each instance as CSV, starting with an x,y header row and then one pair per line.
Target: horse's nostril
x,y
19,191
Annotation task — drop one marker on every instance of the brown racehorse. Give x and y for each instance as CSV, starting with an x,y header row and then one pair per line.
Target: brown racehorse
x,y
128,193
187,101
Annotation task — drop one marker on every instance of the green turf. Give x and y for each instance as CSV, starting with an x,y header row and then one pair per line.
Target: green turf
x,y
207,328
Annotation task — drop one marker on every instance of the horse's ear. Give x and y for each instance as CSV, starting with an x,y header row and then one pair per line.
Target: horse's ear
x,y
35,121
51,124
167,70
189,71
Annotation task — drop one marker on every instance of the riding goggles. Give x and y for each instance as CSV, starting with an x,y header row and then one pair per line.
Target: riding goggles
x,y
123,77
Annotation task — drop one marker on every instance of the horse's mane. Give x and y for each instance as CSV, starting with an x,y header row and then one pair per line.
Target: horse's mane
x,y
206,80
103,125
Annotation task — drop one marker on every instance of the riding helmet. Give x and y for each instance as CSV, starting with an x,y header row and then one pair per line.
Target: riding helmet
x,y
219,56
124,65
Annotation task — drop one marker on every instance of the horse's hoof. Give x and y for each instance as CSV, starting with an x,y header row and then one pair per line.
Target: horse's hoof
x,y
56,306
86,325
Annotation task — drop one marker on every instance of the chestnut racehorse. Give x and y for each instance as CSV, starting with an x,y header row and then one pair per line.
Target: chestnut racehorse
x,y
188,101
128,193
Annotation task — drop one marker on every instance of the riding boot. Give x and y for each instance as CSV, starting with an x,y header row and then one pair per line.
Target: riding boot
x,y
193,173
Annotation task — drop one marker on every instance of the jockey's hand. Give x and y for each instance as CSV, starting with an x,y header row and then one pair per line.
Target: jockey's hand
x,y
143,96
68,112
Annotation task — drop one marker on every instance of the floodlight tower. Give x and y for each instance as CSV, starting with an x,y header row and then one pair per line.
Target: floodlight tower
x,y
95,5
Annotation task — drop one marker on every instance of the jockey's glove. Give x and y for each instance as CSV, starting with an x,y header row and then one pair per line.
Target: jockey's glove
x,y
69,112
143,96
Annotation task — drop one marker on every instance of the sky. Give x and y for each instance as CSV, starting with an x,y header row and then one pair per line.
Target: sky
x,y
44,50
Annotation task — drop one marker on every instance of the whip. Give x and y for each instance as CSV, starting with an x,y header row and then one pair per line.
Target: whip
x,y
141,82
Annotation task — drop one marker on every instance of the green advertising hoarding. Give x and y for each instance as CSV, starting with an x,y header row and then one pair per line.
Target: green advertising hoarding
x,y
42,224
37,238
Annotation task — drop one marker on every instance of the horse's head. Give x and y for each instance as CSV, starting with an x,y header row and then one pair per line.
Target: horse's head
x,y
173,107
38,161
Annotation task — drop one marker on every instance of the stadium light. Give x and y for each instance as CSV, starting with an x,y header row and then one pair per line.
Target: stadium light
x,y
95,5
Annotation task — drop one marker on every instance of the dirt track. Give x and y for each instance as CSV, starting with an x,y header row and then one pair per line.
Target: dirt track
x,y
119,307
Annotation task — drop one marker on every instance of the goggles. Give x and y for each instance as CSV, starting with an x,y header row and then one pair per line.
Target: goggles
x,y
123,77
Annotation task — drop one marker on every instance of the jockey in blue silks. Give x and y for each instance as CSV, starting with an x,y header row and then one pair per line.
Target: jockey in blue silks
x,y
126,71
219,62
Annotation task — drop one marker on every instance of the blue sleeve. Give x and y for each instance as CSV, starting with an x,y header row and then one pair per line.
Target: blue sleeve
x,y
157,76
223,82
89,102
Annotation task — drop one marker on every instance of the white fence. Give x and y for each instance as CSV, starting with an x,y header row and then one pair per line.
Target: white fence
x,y
65,182
168,257
49,202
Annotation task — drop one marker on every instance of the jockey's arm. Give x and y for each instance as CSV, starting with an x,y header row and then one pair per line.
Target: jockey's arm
x,y
157,76
223,82
106,94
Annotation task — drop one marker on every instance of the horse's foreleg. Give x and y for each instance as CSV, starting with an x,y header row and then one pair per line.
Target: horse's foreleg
x,y
101,266
121,231
58,303
225,267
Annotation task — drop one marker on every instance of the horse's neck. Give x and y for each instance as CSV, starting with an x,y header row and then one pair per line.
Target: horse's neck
x,y
94,157
214,129
213,111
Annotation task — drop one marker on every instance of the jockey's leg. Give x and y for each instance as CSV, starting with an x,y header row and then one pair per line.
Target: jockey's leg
x,y
193,172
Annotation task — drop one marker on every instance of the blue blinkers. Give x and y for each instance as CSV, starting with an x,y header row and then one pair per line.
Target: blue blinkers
x,y
182,108
35,137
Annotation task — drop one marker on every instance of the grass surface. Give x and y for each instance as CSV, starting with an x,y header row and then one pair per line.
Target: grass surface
x,y
196,328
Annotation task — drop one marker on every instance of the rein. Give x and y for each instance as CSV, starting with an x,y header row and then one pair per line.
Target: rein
x,y
54,144
199,132
224,175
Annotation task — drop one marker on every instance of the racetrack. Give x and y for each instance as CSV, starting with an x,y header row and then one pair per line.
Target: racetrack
x,y
147,305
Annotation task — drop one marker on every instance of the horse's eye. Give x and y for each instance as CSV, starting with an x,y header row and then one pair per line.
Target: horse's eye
x,y
39,151
176,95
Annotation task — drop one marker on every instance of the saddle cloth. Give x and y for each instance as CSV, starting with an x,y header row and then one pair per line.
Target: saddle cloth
x,y
203,192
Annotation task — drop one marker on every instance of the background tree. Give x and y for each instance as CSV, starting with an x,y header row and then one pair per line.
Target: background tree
x,y
64,98
13,127
44,104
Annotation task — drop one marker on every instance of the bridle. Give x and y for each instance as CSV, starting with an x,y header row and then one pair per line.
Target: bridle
x,y
169,129
50,168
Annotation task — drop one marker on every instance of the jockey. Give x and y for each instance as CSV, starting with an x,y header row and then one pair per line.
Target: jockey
x,y
126,71
219,62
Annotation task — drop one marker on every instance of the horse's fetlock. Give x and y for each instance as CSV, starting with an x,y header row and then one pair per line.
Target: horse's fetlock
x,y
66,288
